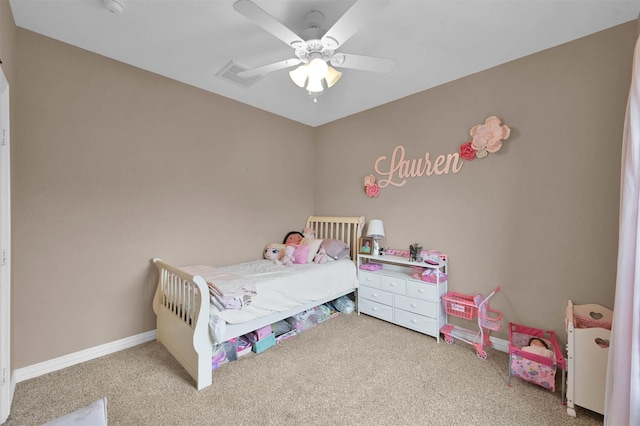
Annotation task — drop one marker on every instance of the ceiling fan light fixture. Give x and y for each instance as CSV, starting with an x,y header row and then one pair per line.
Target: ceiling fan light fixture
x,y
299,75
315,85
318,69
315,47
332,76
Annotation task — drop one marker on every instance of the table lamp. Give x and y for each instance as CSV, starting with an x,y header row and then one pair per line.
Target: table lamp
x,y
375,231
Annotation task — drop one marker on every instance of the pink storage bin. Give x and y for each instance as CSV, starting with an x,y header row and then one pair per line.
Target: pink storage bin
x,y
263,332
592,316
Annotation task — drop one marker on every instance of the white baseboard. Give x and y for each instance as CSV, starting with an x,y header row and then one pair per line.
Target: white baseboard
x,y
471,335
500,344
35,370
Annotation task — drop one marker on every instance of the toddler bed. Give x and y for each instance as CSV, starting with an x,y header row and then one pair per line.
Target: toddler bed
x,y
273,292
537,365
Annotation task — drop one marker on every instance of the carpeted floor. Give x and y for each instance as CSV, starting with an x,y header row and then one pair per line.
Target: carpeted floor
x,y
349,370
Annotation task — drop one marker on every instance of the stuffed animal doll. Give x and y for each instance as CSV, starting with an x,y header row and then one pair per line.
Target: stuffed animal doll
x,y
287,260
321,257
274,252
309,233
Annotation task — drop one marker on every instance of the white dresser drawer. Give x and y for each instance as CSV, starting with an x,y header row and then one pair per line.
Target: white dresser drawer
x,y
416,322
370,279
394,284
376,295
375,309
417,306
422,290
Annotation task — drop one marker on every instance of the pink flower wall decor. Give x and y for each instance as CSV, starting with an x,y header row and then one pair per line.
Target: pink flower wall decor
x,y
467,152
395,169
371,188
487,138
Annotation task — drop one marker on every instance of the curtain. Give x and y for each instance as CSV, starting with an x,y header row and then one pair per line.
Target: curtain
x,y
622,397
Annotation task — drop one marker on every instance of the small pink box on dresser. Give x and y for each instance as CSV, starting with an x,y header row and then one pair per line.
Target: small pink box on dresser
x,y
263,332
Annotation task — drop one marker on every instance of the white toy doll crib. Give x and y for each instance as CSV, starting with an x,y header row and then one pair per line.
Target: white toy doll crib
x,y
588,332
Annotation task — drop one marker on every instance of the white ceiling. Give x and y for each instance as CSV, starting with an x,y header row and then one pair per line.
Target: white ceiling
x,y
432,41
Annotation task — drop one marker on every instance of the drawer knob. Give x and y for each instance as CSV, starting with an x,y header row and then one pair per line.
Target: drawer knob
x,y
413,305
421,290
374,309
414,321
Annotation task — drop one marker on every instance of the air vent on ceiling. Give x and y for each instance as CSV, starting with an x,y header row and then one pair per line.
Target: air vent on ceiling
x,y
232,69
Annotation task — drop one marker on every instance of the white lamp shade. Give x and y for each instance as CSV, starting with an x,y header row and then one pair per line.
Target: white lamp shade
x,y
299,75
375,229
310,75
315,85
332,76
317,69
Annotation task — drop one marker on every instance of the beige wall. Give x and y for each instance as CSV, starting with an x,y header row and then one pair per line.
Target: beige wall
x,y
7,39
540,217
113,166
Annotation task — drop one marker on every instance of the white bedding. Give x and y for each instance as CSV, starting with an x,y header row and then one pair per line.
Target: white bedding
x,y
279,287
222,282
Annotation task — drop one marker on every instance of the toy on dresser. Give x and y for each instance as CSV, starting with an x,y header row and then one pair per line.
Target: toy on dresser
x,y
415,251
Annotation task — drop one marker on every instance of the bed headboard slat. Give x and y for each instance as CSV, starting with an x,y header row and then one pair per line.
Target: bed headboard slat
x,y
345,228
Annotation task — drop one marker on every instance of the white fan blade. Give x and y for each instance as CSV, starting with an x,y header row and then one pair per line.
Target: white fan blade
x,y
265,69
364,63
260,17
355,18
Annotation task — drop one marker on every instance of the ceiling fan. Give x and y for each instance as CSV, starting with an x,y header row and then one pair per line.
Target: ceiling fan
x,y
316,48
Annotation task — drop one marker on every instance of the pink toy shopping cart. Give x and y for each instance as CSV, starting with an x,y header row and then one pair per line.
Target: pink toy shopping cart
x,y
468,307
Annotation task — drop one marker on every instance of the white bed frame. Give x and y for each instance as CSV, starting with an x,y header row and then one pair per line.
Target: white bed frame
x,y
183,315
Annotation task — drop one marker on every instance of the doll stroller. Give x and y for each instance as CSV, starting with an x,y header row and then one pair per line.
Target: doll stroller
x,y
464,306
